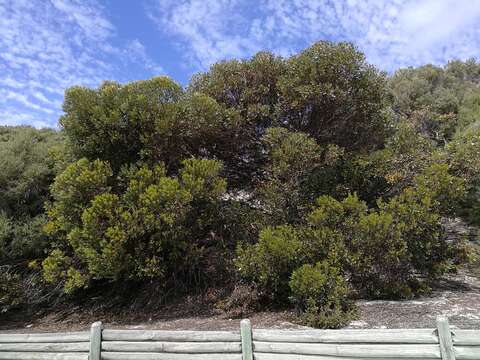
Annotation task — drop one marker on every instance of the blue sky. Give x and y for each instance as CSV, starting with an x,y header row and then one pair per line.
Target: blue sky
x,y
48,45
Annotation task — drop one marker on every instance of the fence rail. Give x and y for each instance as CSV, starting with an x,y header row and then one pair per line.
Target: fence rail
x,y
443,343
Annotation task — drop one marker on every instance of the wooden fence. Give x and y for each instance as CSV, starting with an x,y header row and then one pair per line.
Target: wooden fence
x,y
444,343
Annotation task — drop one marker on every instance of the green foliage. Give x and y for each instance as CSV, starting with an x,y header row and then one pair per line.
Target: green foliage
x,y
394,168
387,247
292,157
5,234
150,121
438,100
437,127
11,292
464,157
320,293
249,86
22,239
158,183
464,153
147,228
346,110
121,114
469,112
26,171
270,262
445,190
54,266
72,191
382,250
376,256
425,87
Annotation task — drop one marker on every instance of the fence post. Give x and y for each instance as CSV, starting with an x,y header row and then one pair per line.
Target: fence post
x,y
95,341
445,339
246,334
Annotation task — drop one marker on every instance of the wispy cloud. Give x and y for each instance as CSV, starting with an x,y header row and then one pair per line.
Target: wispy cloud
x,y
47,46
88,17
137,52
208,29
392,33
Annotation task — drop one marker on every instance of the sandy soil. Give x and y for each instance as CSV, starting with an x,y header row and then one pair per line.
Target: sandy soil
x,y
456,297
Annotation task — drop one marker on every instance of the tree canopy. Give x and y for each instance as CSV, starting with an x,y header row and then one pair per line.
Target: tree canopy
x,y
291,181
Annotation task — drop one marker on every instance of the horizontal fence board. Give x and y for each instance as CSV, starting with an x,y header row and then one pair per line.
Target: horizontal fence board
x,y
174,336
424,351
172,347
46,347
466,337
392,336
41,356
349,344
147,356
264,356
83,336
467,352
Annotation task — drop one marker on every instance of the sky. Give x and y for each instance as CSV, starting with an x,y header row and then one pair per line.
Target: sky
x,y
47,46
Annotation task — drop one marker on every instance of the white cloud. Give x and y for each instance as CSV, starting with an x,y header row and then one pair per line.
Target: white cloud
x,y
392,33
136,51
48,46
14,118
211,29
87,16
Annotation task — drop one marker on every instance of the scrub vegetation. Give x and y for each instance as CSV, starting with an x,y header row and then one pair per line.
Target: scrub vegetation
x,y
302,182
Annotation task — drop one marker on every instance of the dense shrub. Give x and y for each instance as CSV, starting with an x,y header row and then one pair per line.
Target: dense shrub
x,y
146,225
310,179
320,293
269,263
292,157
11,292
346,110
380,251
464,153
249,88
26,171
22,239
149,121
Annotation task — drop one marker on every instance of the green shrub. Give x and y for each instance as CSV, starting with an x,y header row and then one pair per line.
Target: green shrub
x,y
153,226
22,239
381,251
269,263
464,159
29,241
5,235
26,170
372,250
378,256
346,110
292,156
320,294
441,190
11,291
